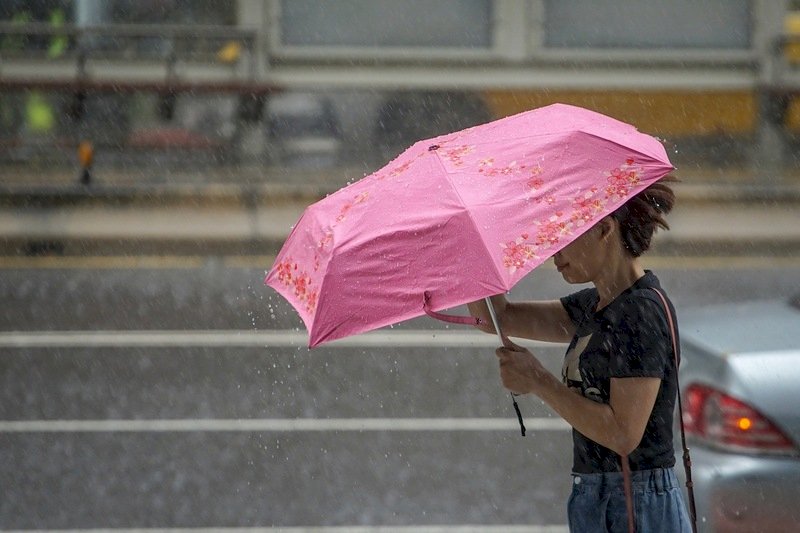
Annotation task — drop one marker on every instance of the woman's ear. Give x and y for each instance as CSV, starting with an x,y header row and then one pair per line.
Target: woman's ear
x,y
607,226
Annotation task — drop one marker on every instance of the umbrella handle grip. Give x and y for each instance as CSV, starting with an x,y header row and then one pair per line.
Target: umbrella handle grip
x,y
453,319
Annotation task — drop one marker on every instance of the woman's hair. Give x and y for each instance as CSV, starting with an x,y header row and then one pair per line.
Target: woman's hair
x,y
643,214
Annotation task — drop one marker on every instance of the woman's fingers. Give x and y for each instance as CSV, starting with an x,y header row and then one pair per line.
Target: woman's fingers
x,y
511,345
512,373
519,368
506,351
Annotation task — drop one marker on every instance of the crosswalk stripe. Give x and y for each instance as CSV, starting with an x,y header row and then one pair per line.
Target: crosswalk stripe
x,y
280,425
247,338
509,528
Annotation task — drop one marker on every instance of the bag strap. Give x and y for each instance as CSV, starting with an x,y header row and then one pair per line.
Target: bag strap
x,y
687,460
628,486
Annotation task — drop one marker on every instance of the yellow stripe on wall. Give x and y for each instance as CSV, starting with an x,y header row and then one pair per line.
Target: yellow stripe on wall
x,y
793,115
662,113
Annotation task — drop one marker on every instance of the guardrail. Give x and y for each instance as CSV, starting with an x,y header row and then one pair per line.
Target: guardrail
x,y
125,41
128,58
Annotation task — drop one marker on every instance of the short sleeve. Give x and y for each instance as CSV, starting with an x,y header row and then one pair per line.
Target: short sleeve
x,y
579,304
639,342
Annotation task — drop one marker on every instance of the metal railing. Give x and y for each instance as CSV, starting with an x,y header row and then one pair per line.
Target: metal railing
x,y
174,48
126,41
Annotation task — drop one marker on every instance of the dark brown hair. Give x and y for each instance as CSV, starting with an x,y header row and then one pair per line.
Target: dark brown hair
x,y
642,215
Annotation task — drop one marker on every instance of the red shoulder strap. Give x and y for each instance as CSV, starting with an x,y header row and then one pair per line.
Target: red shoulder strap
x,y
687,460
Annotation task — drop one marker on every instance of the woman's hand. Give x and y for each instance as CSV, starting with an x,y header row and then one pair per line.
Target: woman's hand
x,y
617,425
520,371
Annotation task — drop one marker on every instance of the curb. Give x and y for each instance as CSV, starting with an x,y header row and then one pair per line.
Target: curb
x,y
738,193
274,193
78,246
269,185
159,195
270,245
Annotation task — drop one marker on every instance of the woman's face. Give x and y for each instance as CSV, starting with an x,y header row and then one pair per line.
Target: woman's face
x,y
582,259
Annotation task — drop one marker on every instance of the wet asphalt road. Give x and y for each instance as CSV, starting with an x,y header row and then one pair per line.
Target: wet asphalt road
x,y
227,476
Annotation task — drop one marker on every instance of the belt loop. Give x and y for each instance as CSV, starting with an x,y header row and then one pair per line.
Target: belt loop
x,y
659,478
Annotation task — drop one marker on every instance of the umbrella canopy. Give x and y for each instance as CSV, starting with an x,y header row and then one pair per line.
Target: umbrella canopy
x,y
462,216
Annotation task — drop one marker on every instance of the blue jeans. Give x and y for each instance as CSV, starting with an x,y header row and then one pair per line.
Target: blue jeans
x,y
597,503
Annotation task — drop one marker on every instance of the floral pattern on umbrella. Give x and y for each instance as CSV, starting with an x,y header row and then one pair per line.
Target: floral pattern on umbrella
x,y
299,281
622,179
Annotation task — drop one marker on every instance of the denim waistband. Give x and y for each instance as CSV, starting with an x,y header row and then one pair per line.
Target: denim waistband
x,y
658,479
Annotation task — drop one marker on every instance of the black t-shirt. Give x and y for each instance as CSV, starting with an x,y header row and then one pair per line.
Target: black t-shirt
x,y
630,337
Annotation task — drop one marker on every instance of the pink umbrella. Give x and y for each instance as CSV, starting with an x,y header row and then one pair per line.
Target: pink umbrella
x,y
459,217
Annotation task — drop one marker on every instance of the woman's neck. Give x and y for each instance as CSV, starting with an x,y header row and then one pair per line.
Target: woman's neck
x,y
620,276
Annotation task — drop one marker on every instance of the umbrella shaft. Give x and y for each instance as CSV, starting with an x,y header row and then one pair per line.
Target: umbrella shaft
x,y
494,319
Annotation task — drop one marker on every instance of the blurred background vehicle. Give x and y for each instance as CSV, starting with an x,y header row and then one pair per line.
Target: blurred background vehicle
x,y
717,80
303,130
740,376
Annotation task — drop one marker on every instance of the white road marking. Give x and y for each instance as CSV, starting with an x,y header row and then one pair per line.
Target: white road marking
x,y
280,425
248,338
332,529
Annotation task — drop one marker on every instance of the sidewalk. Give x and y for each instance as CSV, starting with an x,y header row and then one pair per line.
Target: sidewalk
x,y
251,210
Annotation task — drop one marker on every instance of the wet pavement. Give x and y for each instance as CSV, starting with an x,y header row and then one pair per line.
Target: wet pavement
x,y
113,425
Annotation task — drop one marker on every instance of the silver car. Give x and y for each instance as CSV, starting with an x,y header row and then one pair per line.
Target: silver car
x,y
740,382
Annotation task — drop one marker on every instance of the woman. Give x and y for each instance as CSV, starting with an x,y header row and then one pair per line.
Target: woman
x,y
618,384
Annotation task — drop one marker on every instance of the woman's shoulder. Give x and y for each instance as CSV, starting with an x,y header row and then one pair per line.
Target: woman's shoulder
x,y
640,299
646,288
584,298
639,309
580,304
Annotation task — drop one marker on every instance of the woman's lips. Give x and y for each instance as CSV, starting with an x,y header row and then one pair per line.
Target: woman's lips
x,y
562,266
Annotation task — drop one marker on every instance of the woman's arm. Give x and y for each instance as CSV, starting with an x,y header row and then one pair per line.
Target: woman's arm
x,y
541,320
618,425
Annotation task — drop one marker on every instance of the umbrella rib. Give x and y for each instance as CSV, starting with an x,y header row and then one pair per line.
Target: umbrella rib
x,y
498,274
312,327
655,157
